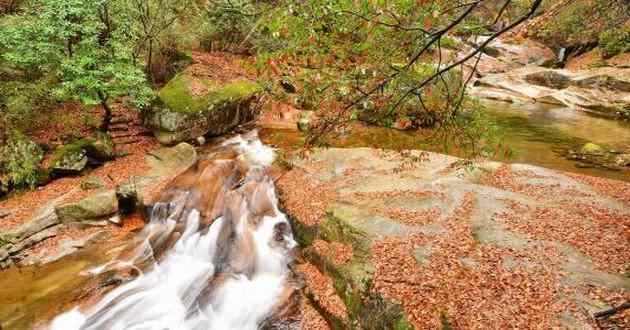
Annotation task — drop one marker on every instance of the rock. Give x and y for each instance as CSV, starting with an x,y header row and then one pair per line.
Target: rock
x,y
606,82
65,248
100,147
623,160
34,239
69,160
551,79
92,182
304,122
602,91
374,198
136,194
74,157
115,219
190,106
592,149
165,160
93,207
43,218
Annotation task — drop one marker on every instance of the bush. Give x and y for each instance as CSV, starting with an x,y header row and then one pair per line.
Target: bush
x,y
19,161
615,41
22,102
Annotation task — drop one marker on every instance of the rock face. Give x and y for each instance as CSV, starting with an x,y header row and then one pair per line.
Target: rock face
x,y
436,240
190,106
604,91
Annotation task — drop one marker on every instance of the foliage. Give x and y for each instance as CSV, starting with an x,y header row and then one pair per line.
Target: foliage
x,y
19,160
22,102
581,22
87,49
370,60
615,41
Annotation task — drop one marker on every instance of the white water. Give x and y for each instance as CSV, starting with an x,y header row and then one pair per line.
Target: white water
x,y
204,280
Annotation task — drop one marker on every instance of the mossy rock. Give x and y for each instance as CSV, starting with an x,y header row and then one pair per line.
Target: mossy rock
x,y
74,157
69,159
189,107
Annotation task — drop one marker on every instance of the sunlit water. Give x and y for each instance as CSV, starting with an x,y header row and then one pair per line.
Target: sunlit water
x,y
215,254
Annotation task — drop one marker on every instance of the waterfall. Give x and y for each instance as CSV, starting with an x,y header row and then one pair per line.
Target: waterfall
x,y
214,255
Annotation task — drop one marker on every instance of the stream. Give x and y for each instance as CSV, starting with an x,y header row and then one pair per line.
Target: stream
x,y
217,249
536,133
215,253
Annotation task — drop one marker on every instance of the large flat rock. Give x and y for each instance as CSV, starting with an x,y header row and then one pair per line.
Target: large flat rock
x,y
439,239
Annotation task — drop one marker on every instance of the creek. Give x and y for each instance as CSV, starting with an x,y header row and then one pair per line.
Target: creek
x,y
214,255
536,133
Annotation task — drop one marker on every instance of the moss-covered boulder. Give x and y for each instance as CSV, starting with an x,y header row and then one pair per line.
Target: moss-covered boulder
x,y
74,157
190,106
69,159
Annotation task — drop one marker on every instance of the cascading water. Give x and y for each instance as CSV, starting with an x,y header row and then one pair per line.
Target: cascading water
x,y
222,248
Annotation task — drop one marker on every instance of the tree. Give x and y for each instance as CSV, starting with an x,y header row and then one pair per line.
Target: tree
x,y
86,47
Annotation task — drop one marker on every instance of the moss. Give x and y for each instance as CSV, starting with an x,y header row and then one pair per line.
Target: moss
x,y
64,151
178,97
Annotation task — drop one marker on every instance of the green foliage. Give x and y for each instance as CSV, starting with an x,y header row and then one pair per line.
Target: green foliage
x,y
22,102
19,161
615,41
79,42
582,22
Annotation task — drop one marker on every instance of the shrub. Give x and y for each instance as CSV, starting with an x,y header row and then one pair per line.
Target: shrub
x,y
615,41
19,160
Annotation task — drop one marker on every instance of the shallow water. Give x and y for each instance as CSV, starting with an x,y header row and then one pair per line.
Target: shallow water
x,y
536,134
32,293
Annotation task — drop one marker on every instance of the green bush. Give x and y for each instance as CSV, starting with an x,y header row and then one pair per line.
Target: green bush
x,y
22,102
19,161
615,41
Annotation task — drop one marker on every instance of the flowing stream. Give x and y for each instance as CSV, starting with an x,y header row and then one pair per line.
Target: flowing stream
x,y
215,254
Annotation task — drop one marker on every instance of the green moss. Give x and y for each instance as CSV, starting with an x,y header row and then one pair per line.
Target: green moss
x,y
178,97
75,147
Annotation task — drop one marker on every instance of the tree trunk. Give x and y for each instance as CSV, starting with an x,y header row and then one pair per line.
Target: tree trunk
x,y
107,118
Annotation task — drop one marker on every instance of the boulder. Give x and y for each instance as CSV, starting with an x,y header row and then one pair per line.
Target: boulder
x,y
137,194
74,157
69,160
190,106
551,79
93,207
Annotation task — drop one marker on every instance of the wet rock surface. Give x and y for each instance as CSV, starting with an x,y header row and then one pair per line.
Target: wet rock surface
x,y
436,239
